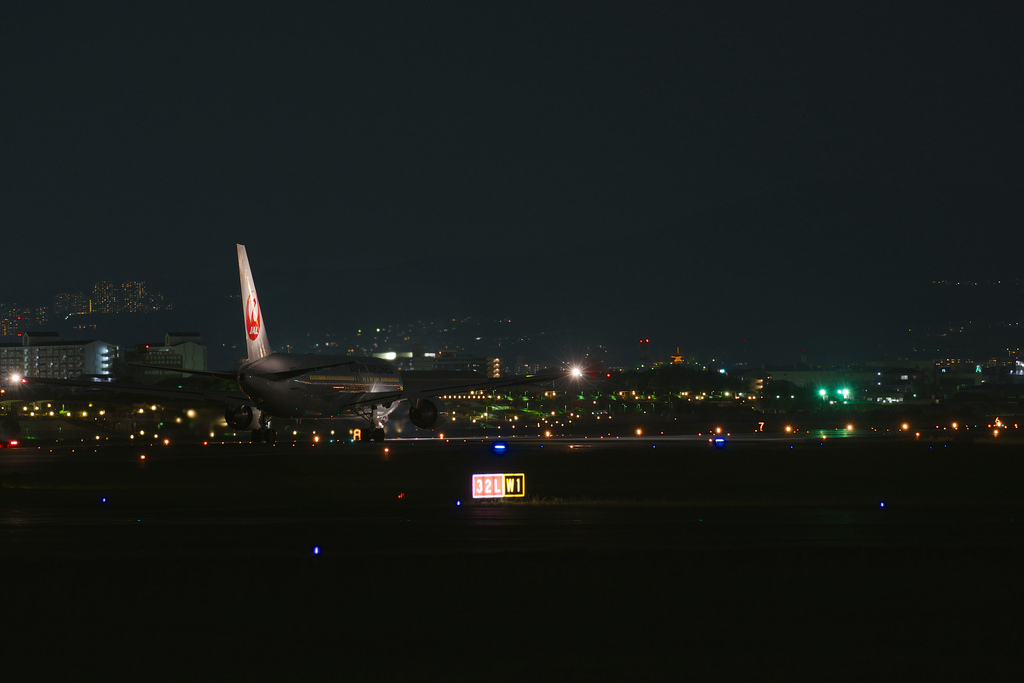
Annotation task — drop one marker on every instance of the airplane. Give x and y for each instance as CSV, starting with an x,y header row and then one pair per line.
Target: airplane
x,y
313,386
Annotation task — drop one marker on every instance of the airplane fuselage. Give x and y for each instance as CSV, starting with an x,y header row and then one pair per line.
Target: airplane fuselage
x,y
308,385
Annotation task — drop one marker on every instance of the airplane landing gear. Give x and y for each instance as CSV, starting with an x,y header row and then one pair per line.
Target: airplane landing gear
x,y
264,433
376,417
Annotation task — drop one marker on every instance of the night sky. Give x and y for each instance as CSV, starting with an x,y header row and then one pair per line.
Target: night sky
x,y
751,180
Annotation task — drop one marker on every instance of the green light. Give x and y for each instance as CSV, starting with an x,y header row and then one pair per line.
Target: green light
x,y
822,393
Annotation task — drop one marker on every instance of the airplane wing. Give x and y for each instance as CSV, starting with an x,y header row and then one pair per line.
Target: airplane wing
x,y
432,385
233,375
196,393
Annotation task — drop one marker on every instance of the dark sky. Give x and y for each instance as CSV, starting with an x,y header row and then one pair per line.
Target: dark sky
x,y
789,174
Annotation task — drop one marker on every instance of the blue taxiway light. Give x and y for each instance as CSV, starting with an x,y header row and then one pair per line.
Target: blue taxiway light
x,y
458,503
719,442
499,447
881,504
316,550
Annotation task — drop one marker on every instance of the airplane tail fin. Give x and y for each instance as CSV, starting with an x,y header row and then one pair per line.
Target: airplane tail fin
x,y
255,332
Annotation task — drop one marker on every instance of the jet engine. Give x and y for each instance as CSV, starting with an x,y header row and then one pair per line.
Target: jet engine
x,y
242,417
424,412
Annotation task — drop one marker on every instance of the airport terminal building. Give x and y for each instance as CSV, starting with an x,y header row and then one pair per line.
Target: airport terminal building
x,y
44,354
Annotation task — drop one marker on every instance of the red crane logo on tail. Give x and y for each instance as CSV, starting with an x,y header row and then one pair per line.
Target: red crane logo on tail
x,y
252,317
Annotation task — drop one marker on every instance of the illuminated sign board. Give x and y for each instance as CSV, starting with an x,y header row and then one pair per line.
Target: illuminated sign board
x,y
515,485
499,485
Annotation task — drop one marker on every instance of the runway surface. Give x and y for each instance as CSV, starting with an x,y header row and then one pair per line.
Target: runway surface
x,y
772,558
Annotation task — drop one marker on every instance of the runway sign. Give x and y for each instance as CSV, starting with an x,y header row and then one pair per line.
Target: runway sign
x,y
499,485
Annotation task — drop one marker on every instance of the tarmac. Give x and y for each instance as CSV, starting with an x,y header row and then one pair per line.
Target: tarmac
x,y
774,558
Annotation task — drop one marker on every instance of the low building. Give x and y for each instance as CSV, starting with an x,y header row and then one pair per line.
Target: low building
x,y
156,362
45,355
452,361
